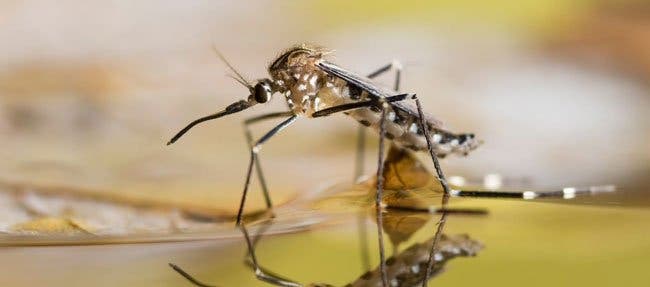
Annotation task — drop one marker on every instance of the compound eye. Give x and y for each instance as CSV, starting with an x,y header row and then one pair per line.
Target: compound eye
x,y
262,93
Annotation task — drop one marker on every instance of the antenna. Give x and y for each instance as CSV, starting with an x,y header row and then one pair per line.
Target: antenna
x,y
239,78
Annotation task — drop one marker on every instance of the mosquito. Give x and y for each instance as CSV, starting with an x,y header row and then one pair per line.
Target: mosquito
x,y
313,87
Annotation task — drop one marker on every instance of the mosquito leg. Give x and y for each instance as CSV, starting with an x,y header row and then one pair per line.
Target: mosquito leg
x,y
361,132
254,151
459,211
434,158
358,105
258,165
393,65
565,193
445,196
379,194
261,273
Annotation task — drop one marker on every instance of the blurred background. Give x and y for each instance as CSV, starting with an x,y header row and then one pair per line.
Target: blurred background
x,y
90,92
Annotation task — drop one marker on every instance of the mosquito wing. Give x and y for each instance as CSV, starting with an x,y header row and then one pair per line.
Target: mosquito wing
x,y
374,91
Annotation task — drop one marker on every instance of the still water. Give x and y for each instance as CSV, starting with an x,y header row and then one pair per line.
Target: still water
x,y
521,242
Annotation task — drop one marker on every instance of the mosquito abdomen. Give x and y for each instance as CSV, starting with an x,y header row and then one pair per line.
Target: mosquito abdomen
x,y
404,129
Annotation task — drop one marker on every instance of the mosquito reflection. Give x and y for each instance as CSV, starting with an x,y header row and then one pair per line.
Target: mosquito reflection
x,y
405,267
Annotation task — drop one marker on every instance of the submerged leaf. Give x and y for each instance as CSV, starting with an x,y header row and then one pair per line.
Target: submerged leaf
x,y
408,184
403,171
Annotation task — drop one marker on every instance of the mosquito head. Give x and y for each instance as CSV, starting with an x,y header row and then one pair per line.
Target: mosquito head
x,y
262,91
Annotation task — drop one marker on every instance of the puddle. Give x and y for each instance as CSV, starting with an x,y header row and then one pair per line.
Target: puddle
x,y
530,243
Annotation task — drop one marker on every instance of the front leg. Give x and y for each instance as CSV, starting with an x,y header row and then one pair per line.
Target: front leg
x,y
359,105
249,140
254,151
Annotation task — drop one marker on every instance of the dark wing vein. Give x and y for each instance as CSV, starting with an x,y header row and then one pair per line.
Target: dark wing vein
x,y
374,91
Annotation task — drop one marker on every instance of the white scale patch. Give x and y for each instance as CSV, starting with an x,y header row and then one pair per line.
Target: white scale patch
x,y
436,138
438,257
391,116
313,80
345,92
413,128
443,149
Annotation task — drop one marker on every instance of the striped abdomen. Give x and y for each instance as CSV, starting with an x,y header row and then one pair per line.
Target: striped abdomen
x,y
405,130
402,121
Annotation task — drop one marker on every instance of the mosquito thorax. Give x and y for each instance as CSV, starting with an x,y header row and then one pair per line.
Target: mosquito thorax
x,y
298,60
